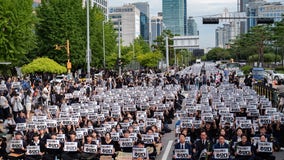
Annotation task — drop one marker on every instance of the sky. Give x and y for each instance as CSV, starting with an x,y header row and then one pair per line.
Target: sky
x,y
196,9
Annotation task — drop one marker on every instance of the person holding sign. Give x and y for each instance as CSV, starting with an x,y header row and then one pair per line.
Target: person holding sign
x,y
34,154
140,152
244,142
183,150
109,142
71,150
221,149
17,147
264,149
89,148
53,148
202,147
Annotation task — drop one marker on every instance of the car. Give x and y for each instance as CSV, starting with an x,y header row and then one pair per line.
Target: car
x,y
273,75
240,73
59,78
198,61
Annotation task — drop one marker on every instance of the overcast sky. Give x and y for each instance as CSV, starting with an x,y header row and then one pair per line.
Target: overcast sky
x,y
197,9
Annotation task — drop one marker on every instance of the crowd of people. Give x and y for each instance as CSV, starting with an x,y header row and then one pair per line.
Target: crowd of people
x,y
109,117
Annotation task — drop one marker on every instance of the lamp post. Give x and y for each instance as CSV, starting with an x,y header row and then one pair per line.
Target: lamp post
x,y
119,50
67,47
88,42
104,48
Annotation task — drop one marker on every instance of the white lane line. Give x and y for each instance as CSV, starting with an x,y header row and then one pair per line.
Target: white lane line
x,y
167,151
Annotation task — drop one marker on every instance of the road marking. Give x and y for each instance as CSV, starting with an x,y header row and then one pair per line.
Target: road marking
x,y
167,151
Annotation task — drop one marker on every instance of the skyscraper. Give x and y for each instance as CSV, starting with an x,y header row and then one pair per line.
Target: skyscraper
x,y
144,19
175,16
127,20
242,6
156,27
191,27
103,5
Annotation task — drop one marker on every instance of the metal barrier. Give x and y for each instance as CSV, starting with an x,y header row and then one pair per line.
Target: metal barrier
x,y
267,91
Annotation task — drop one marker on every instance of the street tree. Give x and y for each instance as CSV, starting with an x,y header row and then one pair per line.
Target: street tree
x,y
17,25
66,19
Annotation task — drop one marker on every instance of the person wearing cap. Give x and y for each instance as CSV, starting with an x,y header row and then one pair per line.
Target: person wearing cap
x,y
86,155
16,102
52,154
67,155
36,142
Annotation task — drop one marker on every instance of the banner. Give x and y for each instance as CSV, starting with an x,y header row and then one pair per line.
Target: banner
x,y
16,144
70,146
265,147
139,153
181,153
106,149
90,148
52,144
125,142
244,150
33,150
221,153
148,139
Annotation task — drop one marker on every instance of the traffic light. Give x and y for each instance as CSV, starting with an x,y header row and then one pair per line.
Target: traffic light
x,y
210,21
264,20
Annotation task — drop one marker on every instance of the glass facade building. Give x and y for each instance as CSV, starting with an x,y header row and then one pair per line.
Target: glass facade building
x,y
144,19
175,16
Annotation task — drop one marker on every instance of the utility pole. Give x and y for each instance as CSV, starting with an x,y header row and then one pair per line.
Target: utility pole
x,y
167,52
67,47
88,42
119,50
104,48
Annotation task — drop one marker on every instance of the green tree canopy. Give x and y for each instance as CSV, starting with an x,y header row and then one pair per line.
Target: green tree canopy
x,y
17,26
43,65
218,54
66,19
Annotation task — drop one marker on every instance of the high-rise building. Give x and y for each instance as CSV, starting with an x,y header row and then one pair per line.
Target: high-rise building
x,y
103,5
252,12
191,27
175,16
156,27
144,19
242,6
127,20
273,10
223,36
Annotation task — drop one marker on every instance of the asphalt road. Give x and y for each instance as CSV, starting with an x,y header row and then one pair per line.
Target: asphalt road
x,y
169,139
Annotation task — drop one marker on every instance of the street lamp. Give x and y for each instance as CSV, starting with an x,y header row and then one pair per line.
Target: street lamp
x,y
67,47
104,48
88,42
119,50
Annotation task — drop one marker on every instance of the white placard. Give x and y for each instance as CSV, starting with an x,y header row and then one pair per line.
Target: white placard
x,y
181,153
61,137
52,144
148,139
16,144
139,153
115,136
70,146
244,150
221,153
126,142
21,126
33,150
265,147
51,123
106,149
90,148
